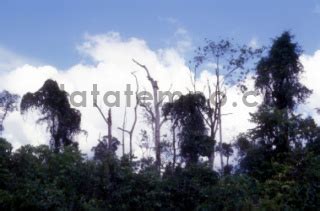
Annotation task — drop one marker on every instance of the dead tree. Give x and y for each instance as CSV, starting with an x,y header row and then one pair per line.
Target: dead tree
x,y
135,112
109,128
108,122
123,131
154,113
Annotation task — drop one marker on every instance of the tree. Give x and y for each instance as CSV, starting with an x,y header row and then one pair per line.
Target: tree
x,y
5,159
63,122
186,114
230,64
278,75
227,151
154,113
135,118
279,132
104,148
8,103
278,79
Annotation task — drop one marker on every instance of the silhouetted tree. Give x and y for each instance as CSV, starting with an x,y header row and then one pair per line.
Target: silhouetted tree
x,y
279,132
278,79
227,151
103,148
52,103
186,114
8,103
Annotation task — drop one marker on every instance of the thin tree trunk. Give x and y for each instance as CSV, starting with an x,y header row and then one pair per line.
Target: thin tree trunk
x,y
220,138
124,126
109,128
155,114
130,132
157,128
212,122
135,115
174,146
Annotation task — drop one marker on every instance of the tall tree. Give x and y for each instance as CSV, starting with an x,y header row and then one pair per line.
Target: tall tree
x,y
63,122
135,118
8,103
154,113
278,75
186,114
230,64
278,79
279,130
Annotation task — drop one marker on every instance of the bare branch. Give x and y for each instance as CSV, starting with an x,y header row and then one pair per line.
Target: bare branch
x,y
99,109
155,114
124,130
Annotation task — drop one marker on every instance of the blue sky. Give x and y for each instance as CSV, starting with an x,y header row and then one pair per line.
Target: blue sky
x,y
57,39
49,31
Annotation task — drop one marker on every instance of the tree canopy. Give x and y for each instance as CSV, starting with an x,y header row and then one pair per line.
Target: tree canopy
x,y
277,163
63,121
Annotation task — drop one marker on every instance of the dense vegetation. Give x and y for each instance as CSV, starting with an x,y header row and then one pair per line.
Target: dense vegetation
x,y
278,168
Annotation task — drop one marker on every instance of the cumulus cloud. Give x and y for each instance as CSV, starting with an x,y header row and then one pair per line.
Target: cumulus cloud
x,y
310,78
111,71
112,57
10,60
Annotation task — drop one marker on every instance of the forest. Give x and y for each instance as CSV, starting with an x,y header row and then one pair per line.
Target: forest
x,y
278,160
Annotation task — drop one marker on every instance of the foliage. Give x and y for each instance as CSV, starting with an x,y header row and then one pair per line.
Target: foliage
x,y
8,103
186,113
278,74
278,169
62,120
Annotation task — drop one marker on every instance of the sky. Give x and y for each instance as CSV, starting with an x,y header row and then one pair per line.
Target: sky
x,y
48,31
81,43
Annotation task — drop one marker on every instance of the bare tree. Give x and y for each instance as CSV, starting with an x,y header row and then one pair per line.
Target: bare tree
x,y
154,113
123,130
230,66
135,118
108,121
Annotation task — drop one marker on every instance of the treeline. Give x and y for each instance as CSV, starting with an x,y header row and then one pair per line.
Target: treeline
x,y
279,161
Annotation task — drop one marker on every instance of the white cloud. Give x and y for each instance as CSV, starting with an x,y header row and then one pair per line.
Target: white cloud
x,y
111,72
310,78
10,60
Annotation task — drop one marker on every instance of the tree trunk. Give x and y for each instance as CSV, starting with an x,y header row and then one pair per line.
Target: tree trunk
x,y
174,146
123,131
155,114
157,127
109,128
